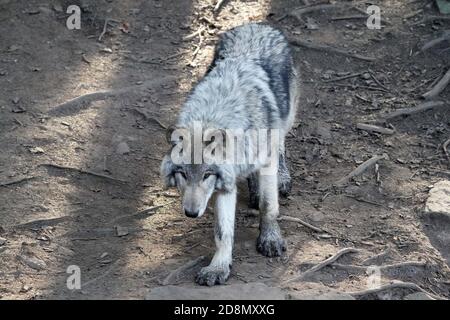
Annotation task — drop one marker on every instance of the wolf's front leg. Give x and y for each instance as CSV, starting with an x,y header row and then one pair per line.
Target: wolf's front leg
x,y
270,242
218,270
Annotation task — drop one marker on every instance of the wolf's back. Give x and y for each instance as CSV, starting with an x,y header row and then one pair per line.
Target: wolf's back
x,y
268,48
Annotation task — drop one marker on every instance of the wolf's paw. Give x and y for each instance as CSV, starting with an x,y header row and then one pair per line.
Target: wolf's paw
x,y
284,187
211,275
270,243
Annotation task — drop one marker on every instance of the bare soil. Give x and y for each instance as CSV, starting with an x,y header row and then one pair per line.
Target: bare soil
x,y
66,215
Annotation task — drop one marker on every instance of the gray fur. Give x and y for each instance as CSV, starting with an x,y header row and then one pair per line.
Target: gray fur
x,y
251,84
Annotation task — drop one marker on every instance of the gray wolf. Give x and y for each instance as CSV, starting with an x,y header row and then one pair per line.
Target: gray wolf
x,y
251,84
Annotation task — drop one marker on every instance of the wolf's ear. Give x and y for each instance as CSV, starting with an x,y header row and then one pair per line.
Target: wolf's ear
x,y
168,172
226,180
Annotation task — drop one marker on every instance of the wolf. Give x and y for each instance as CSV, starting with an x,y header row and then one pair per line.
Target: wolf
x,y
252,83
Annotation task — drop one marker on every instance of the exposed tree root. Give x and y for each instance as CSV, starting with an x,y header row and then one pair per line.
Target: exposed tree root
x,y
408,111
172,278
394,285
74,105
361,168
354,268
218,5
321,47
141,214
444,146
439,87
322,265
10,183
434,42
372,128
82,172
304,223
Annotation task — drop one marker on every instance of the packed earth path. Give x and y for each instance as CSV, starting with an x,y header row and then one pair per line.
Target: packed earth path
x,y
83,116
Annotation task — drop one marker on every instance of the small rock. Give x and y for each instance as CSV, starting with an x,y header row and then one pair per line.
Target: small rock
x,y
2,241
439,198
25,288
123,148
18,109
366,76
37,150
106,50
33,262
121,231
104,254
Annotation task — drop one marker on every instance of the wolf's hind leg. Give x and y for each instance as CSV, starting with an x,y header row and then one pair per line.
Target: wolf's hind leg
x,y
253,191
218,270
284,178
270,242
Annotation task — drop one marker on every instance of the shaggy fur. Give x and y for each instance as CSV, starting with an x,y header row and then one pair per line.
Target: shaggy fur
x,y
251,84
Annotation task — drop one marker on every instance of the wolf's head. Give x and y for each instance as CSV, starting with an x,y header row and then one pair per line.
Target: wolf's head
x,y
196,182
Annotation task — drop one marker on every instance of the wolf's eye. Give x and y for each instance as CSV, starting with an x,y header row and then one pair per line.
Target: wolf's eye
x,y
207,175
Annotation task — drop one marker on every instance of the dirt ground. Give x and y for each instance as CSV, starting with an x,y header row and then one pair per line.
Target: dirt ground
x,y
53,214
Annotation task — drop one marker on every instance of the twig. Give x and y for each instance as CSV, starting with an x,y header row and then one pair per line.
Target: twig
x,y
350,267
143,213
218,5
361,168
372,128
412,14
431,18
323,264
10,183
434,42
358,87
439,87
105,26
194,34
377,82
322,47
444,146
353,75
408,111
52,165
42,223
364,200
76,103
297,13
394,285
306,224
172,278
377,257
355,17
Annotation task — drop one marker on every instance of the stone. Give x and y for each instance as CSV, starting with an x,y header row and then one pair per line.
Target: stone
x,y
123,148
439,198
33,262
418,296
247,291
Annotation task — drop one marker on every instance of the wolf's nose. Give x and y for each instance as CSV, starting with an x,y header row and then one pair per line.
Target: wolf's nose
x,y
191,214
